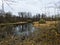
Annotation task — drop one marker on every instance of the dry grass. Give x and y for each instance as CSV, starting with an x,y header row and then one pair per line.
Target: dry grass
x,y
47,24
38,38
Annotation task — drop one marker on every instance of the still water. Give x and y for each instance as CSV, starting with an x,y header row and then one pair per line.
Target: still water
x,y
17,30
25,29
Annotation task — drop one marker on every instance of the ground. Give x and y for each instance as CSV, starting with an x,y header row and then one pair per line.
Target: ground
x,y
44,35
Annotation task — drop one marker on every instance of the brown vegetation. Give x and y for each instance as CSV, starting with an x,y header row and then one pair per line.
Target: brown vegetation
x,y
44,35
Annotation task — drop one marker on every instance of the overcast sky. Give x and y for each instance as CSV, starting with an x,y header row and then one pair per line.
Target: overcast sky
x,y
33,6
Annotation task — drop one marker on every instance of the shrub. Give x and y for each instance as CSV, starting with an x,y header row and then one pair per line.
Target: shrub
x,y
58,27
42,21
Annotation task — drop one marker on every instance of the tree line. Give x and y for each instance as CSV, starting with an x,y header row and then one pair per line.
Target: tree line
x,y
25,16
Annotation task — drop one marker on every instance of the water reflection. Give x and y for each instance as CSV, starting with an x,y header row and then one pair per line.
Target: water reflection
x,y
25,29
17,30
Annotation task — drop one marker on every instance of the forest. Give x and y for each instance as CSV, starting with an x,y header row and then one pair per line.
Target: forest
x,y
26,16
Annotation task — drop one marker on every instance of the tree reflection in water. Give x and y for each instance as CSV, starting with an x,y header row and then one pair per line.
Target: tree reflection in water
x,y
16,30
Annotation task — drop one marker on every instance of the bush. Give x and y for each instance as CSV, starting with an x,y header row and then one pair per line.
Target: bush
x,y
58,27
42,21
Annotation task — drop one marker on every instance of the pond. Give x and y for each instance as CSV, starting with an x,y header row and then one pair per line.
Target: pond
x,y
17,30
